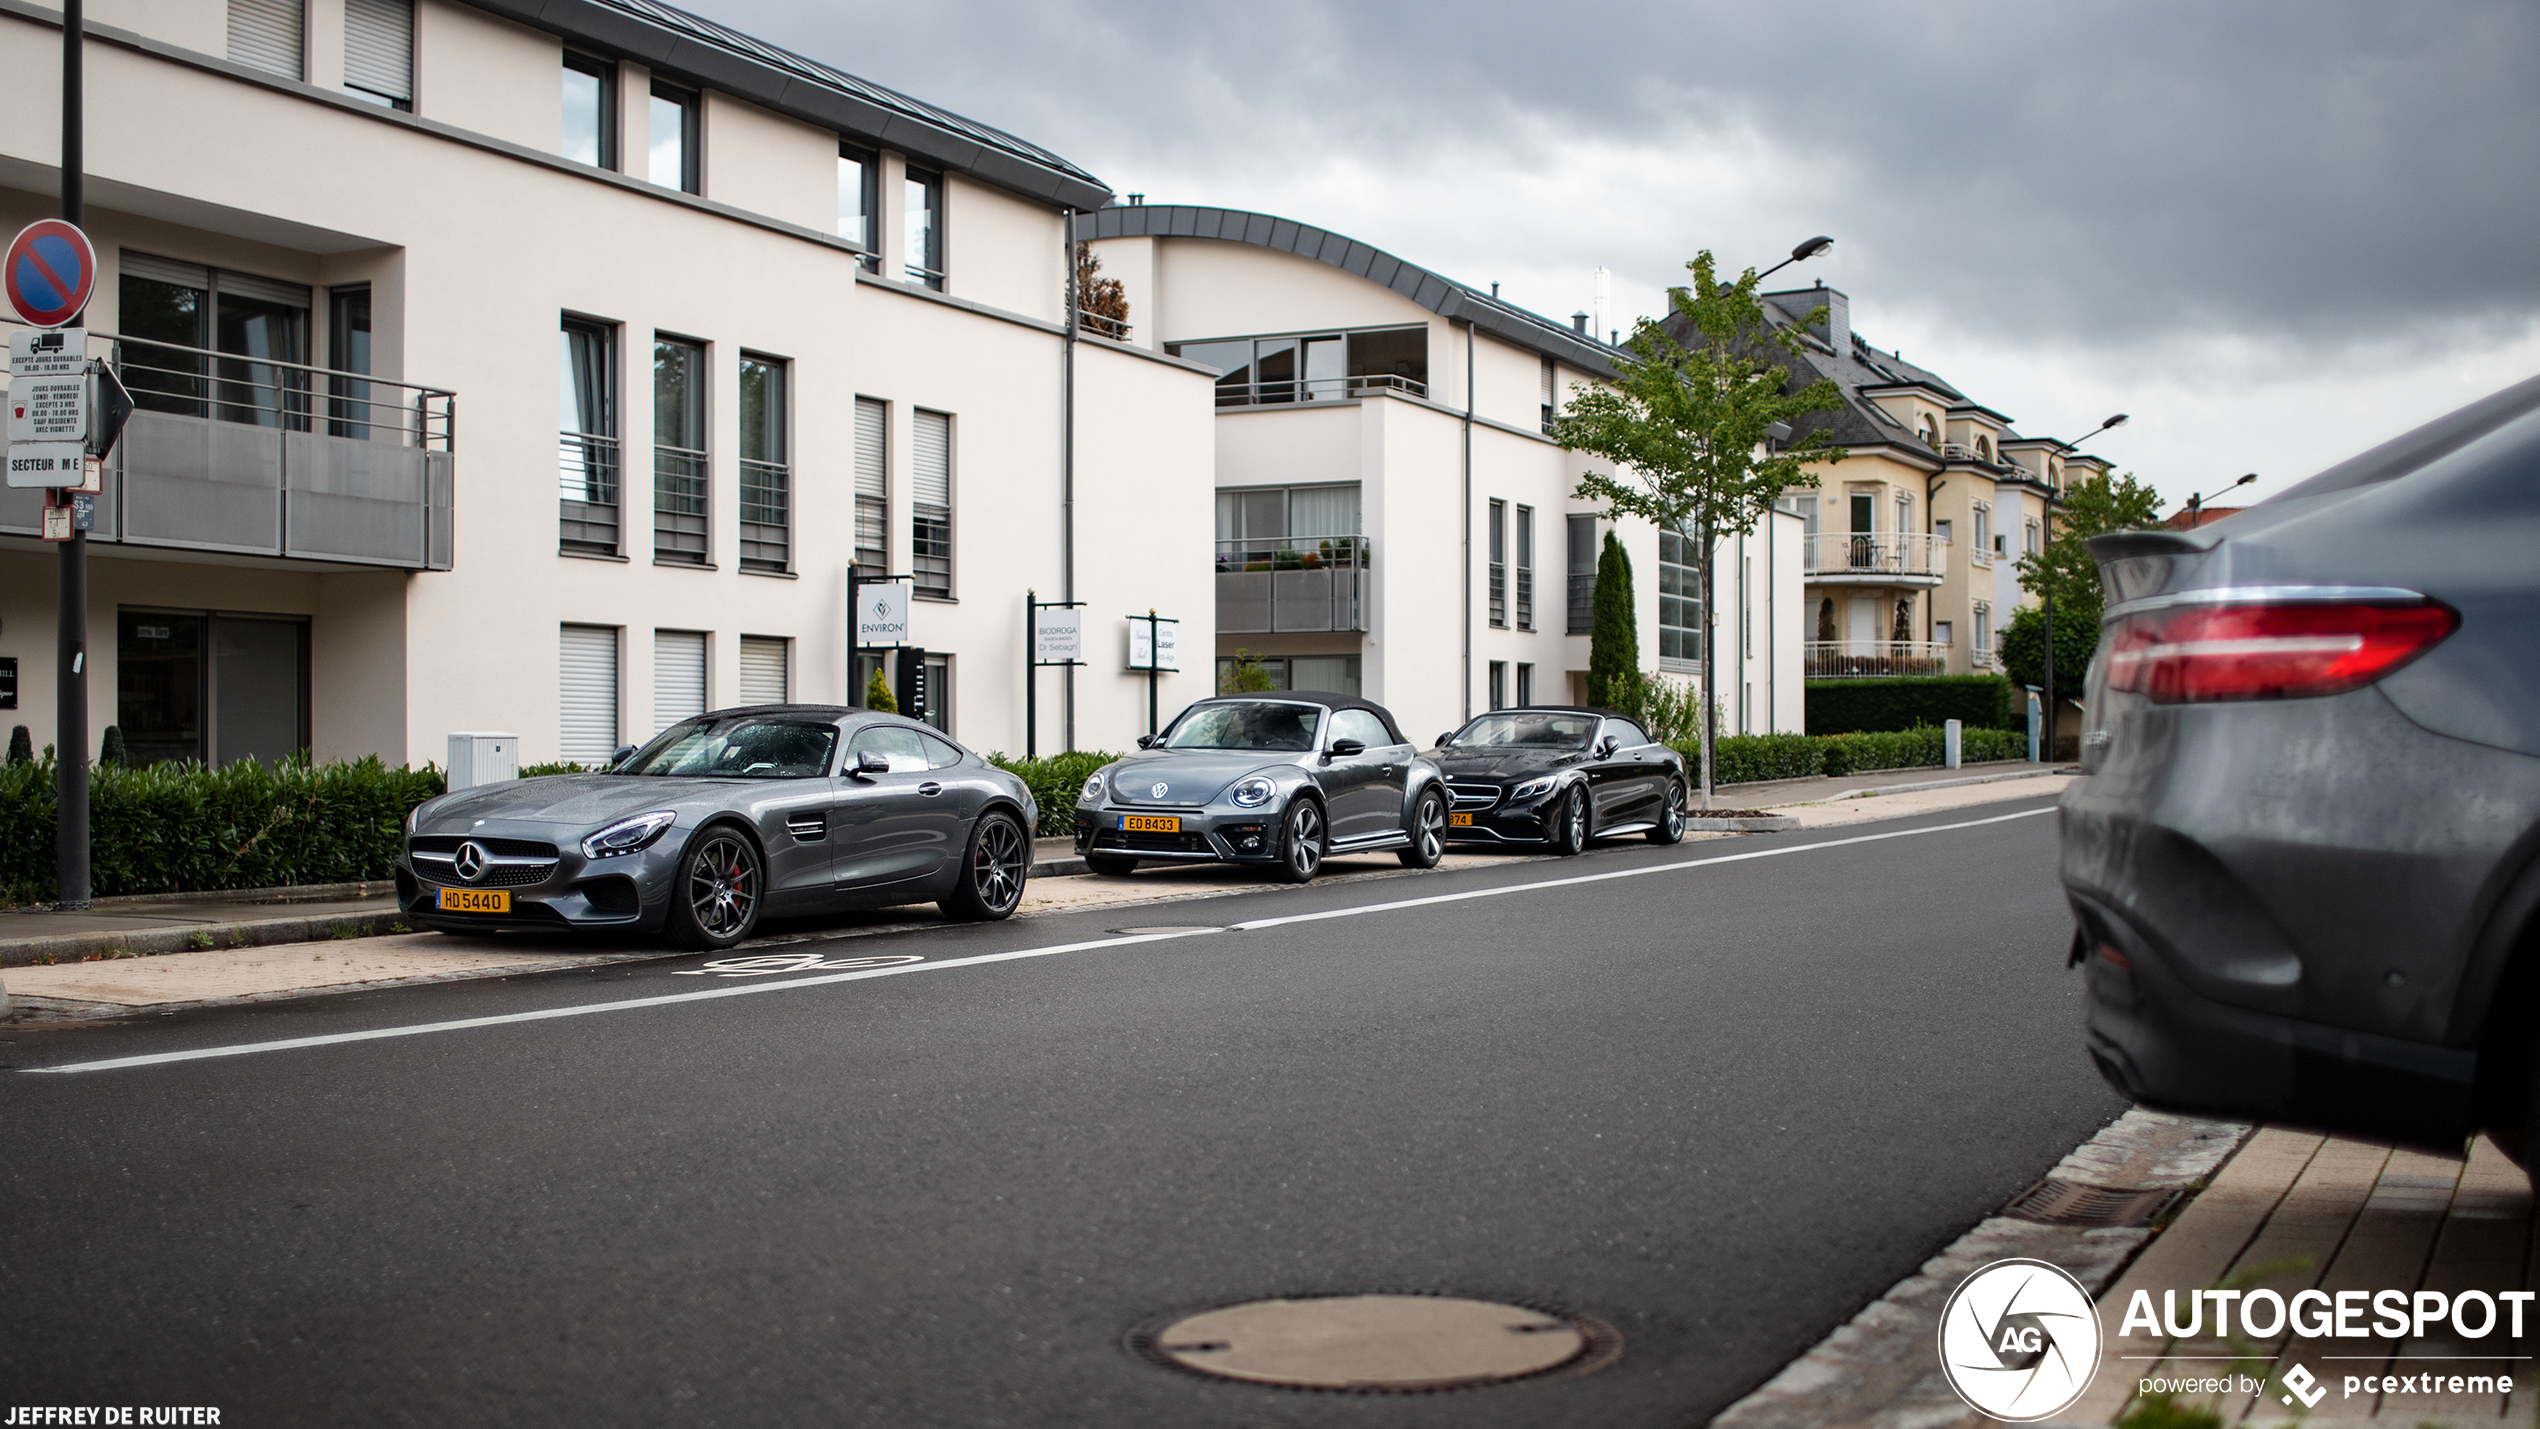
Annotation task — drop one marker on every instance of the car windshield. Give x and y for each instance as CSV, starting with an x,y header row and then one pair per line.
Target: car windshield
x,y
1253,724
737,747
1533,729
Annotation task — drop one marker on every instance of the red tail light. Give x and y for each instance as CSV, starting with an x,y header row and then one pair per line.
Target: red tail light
x,y
2266,650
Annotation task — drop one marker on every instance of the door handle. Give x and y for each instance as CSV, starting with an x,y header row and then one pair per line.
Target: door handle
x,y
930,788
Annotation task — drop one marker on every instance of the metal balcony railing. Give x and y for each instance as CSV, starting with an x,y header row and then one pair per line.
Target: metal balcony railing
x,y
240,454
1864,659
587,494
1317,389
766,512
1582,602
1874,553
680,532
1295,583
1101,326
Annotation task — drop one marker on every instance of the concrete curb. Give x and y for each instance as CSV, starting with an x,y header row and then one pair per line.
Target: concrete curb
x,y
1879,1371
1696,824
150,942
2039,772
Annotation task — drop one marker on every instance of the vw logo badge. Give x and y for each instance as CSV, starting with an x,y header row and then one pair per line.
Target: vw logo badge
x,y
1158,790
469,860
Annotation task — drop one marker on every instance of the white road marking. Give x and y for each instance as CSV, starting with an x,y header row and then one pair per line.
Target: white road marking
x,y
752,989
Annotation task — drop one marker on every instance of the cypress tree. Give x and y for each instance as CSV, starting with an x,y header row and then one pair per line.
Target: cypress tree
x,y
877,696
1614,633
21,746
110,751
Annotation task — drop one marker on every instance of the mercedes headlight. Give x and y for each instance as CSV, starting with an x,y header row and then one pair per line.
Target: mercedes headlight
x,y
1093,789
1254,792
411,815
628,835
1533,788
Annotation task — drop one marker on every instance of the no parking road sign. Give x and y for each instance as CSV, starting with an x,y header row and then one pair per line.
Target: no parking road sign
x,y
48,272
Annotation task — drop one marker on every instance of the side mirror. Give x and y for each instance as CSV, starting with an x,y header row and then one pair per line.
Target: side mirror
x,y
624,752
1146,741
869,763
1444,740
1344,748
1605,747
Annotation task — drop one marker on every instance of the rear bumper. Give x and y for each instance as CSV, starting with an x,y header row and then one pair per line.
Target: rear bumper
x,y
2159,1041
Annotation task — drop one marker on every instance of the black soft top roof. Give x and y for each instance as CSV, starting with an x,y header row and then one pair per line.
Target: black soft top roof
x,y
1324,698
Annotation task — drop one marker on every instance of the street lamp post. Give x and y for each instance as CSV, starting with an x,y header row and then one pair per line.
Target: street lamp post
x,y
2196,503
1800,254
2116,421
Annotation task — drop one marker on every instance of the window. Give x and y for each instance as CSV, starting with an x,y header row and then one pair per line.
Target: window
x,y
1982,548
930,503
1984,450
1624,733
679,676
379,51
1679,603
267,35
1930,432
680,531
1336,674
859,199
1525,685
1944,632
586,450
1525,568
939,695
1984,631
1746,610
590,111
1289,528
872,491
1361,726
1941,530
586,693
766,478
1805,508
1499,684
674,159
2028,537
921,202
348,407
1904,514
1551,393
765,669
241,318
1498,566
1582,574
1315,366
211,686
905,748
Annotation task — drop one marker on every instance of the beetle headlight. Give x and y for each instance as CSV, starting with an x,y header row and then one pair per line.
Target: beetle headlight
x,y
628,835
1254,792
1533,788
1093,788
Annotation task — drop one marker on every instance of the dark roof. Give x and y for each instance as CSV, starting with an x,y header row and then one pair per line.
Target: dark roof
x,y
695,50
1439,294
1325,698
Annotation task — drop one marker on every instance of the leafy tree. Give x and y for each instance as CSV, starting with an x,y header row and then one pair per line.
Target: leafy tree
x,y
1247,676
877,695
2093,506
1614,633
1101,303
1685,425
2024,649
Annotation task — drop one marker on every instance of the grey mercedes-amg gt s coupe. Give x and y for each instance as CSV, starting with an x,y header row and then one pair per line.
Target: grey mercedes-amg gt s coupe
x,y
722,820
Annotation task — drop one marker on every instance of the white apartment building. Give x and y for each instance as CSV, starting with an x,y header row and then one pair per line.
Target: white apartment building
x,y
1391,519
543,365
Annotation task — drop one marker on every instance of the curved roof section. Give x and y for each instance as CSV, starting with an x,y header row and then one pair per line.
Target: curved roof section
x,y
1439,294
698,51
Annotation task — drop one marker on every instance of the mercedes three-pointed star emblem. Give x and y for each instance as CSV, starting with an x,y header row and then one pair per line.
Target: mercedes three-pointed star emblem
x,y
469,861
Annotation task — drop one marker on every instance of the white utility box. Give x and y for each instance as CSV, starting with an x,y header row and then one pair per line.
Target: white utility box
x,y
481,757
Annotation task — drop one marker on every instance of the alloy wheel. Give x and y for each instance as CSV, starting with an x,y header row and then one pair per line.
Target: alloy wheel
x,y
1578,809
1432,834
997,868
1305,839
723,885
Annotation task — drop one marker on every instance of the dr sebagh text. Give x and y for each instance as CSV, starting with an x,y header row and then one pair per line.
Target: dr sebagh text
x,y
109,1414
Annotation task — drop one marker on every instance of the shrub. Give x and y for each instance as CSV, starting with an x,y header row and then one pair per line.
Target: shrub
x,y
1054,782
110,749
877,695
1846,706
2024,649
21,746
1751,758
179,827
561,766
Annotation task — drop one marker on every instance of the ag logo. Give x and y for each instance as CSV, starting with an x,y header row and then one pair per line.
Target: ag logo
x,y
2019,1340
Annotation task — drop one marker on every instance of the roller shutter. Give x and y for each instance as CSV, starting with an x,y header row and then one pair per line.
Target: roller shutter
x,y
265,35
379,48
679,676
762,670
586,693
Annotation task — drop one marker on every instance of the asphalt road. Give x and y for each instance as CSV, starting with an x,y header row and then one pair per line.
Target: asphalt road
x,y
1718,1104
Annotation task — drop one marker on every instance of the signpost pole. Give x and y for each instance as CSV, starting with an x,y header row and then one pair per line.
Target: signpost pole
x,y
70,713
1031,674
855,691
1155,657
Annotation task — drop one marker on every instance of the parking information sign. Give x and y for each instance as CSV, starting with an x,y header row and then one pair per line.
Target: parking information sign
x,y
1058,635
881,614
48,272
47,409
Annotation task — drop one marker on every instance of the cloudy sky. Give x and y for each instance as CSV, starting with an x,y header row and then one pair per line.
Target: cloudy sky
x,y
2273,233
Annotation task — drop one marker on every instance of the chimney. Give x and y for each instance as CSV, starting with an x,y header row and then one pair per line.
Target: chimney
x,y
1603,302
1836,330
1137,200
1578,323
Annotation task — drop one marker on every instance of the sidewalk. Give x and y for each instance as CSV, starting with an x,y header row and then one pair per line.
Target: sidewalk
x,y
148,957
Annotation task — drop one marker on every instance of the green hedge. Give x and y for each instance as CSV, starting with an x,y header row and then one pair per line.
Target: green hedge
x,y
179,827
1848,706
1055,782
1751,758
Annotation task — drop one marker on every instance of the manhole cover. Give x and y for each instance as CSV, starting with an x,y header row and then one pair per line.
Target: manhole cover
x,y
1172,928
1379,1344
2058,1202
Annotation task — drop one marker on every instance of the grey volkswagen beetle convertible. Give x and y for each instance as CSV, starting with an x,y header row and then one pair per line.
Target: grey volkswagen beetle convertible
x,y
1278,779
724,819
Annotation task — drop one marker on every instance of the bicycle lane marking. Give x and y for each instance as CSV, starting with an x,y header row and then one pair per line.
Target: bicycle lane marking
x,y
709,994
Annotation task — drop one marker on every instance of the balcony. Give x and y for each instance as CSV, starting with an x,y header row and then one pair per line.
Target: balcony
x,y
1289,391
1299,584
240,455
1871,659
1874,558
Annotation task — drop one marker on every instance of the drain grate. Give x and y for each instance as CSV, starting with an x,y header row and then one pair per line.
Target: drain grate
x,y
1379,1344
2055,1201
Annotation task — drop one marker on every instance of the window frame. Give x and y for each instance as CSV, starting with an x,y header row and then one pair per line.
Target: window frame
x,y
692,106
868,199
925,269
1498,558
702,474
1687,595
401,103
951,587
603,450
1525,613
775,472
605,73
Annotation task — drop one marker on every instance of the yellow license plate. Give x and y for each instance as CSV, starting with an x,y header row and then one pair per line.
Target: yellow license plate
x,y
1461,821
475,900
1150,824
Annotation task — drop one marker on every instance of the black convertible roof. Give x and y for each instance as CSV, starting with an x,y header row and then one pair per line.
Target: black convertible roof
x,y
1325,698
